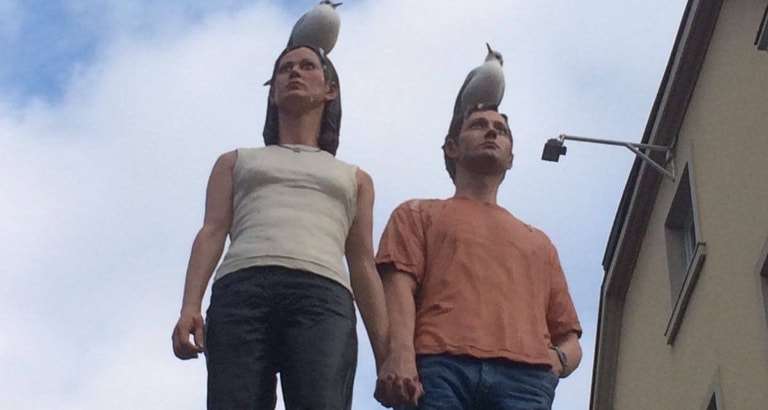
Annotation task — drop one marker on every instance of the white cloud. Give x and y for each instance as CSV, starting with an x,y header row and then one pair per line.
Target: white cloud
x,y
103,191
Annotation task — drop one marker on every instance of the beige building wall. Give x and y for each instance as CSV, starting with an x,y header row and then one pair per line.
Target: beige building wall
x,y
723,340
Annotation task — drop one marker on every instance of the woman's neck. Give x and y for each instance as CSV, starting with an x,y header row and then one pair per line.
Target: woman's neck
x,y
302,128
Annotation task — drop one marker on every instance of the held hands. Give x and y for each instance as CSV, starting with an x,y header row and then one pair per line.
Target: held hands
x,y
398,382
188,324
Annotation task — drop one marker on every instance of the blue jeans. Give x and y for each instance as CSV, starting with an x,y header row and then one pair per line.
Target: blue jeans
x,y
467,383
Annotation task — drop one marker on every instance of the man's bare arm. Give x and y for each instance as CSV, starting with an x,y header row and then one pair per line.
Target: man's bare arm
x,y
366,282
398,379
206,251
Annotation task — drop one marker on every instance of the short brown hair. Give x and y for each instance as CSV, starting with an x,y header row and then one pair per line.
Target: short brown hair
x,y
457,122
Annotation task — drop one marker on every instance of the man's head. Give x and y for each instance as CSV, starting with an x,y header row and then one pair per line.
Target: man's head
x,y
481,142
304,79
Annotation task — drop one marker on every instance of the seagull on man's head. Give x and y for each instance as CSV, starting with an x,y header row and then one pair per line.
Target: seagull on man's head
x,y
484,86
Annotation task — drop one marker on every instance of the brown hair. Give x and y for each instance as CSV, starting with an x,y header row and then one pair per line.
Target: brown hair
x,y
330,125
455,130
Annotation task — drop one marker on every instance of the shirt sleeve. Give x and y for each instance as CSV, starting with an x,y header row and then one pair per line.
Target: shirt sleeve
x,y
561,314
402,244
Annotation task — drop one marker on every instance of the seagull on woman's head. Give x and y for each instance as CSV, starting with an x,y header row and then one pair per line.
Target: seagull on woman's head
x,y
318,27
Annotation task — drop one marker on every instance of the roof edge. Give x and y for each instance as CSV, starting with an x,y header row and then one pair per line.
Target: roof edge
x,y
637,201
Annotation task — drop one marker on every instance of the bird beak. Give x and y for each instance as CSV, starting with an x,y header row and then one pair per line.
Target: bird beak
x,y
336,4
490,50
267,83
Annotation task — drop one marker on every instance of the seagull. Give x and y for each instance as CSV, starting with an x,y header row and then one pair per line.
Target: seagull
x,y
319,27
484,85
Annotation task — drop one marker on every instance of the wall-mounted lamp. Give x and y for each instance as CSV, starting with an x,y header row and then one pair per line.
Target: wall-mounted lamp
x,y
555,147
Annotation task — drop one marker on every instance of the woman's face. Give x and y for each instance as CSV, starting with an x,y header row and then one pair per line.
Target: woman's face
x,y
300,80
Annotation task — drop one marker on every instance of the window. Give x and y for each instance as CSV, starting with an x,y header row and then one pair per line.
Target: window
x,y
713,398
761,41
685,249
762,270
681,235
712,405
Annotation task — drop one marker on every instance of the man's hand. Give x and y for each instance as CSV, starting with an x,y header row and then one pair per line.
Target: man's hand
x,y
554,360
188,324
569,345
398,382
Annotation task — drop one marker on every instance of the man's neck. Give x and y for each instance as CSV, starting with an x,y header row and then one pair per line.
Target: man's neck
x,y
479,187
302,127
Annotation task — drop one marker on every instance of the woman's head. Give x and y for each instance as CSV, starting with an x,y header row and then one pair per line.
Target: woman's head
x,y
303,78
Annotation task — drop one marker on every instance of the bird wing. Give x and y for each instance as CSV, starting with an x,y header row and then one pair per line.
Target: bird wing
x,y
503,87
457,109
295,28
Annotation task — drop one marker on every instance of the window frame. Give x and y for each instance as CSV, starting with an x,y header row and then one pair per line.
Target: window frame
x,y
761,39
712,403
683,271
714,394
761,269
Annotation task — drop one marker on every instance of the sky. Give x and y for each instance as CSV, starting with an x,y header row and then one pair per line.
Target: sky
x,y
113,112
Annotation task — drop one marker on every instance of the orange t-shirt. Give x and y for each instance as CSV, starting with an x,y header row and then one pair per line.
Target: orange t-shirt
x,y
489,286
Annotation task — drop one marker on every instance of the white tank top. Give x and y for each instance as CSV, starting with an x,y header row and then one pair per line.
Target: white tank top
x,y
293,207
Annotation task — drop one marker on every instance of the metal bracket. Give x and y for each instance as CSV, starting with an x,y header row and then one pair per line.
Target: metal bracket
x,y
636,149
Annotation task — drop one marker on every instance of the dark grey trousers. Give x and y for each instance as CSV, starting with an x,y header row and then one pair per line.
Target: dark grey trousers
x,y
267,320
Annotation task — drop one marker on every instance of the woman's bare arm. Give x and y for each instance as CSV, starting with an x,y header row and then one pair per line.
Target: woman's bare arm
x,y
366,283
206,251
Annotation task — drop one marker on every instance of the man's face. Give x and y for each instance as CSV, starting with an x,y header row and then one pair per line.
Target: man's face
x,y
484,145
300,80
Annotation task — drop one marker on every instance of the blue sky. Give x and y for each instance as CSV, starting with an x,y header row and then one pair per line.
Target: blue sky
x,y
48,40
112,113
